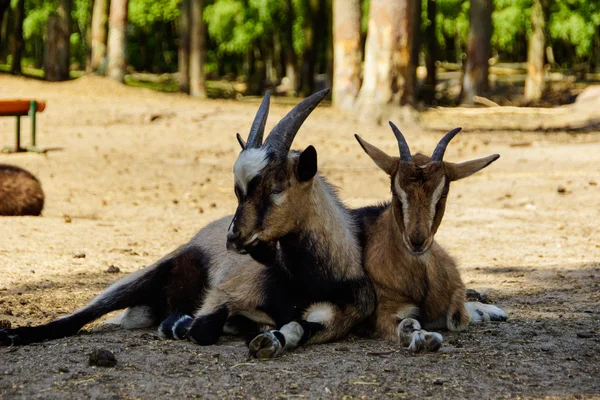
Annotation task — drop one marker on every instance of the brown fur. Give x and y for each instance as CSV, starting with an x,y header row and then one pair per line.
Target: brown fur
x,y
415,281
20,192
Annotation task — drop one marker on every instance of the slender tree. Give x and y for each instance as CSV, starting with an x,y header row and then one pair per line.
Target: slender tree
x,y
388,69
18,41
534,82
58,43
117,40
4,7
475,80
184,46
291,60
197,51
431,43
347,53
5,29
310,50
99,33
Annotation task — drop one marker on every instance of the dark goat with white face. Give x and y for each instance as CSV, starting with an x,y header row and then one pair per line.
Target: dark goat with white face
x,y
266,178
413,276
295,273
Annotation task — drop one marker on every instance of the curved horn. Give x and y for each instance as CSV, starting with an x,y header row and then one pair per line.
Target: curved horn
x,y
282,136
402,145
255,138
438,153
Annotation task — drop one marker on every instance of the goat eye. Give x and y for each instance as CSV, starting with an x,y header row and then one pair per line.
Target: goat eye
x,y
276,190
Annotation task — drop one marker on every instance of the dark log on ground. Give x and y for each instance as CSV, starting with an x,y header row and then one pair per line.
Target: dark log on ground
x,y
20,192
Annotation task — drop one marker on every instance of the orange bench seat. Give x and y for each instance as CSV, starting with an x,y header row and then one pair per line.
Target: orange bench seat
x,y
13,108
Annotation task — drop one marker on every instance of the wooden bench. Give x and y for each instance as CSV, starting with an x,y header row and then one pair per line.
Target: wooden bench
x,y
18,109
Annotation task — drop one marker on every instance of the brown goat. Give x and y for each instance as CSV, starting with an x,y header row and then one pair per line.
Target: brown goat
x,y
20,192
413,276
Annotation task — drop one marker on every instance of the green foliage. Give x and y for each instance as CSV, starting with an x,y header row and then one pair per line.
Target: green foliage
x,y
238,27
36,16
512,25
145,13
575,22
452,26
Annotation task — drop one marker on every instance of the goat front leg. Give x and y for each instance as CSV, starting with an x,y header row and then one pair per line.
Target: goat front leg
x,y
410,333
458,317
321,322
205,327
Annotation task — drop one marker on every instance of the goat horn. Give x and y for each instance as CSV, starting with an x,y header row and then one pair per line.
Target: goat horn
x,y
438,153
282,136
402,145
255,138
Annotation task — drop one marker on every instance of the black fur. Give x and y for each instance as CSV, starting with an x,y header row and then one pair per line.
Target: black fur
x,y
302,276
456,317
307,164
207,329
366,216
177,322
280,338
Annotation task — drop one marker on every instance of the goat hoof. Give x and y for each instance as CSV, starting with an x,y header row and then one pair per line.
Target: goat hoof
x,y
480,313
265,345
417,343
405,330
433,341
175,326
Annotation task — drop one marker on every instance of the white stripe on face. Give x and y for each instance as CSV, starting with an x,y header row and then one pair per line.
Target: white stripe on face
x,y
403,200
435,198
248,165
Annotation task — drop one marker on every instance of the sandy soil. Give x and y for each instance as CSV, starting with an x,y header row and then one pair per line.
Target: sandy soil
x,y
140,172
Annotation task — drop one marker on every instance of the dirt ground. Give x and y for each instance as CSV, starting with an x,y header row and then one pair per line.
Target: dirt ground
x,y
140,172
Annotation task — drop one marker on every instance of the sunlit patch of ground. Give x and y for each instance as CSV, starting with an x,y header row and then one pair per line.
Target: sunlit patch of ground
x,y
140,172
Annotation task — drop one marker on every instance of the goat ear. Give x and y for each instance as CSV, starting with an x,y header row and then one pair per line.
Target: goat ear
x,y
240,141
306,168
387,163
467,168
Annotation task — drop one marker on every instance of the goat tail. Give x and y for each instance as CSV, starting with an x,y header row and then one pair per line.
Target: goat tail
x,y
141,288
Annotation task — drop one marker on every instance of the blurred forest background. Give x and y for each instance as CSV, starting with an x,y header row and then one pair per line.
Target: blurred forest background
x,y
375,53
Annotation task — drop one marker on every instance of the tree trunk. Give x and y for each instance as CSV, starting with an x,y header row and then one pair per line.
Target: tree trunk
x,y
388,70
534,82
413,44
58,43
5,29
117,40
432,44
291,59
18,42
347,53
328,32
184,47
99,33
4,6
310,47
197,51
475,81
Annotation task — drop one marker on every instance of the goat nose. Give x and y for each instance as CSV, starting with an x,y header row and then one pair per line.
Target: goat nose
x,y
418,241
231,236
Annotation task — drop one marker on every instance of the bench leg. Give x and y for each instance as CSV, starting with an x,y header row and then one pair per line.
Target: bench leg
x,y
32,113
18,134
